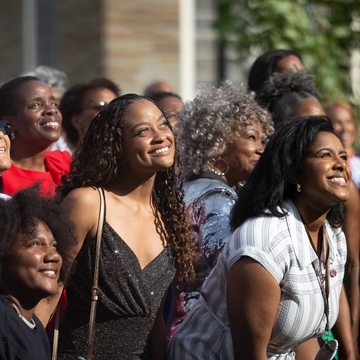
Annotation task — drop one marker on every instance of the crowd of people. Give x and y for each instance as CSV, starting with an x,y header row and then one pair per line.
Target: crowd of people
x,y
137,226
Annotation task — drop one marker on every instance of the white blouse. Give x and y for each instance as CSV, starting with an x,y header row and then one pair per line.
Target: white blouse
x,y
282,246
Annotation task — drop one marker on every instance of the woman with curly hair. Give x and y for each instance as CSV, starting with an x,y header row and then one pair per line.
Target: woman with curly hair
x,y
35,240
222,134
128,152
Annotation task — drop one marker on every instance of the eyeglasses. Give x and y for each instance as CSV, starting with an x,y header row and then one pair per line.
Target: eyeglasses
x,y
4,127
98,105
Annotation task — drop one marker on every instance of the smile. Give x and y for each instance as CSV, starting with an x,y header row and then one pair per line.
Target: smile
x,y
339,180
162,150
52,124
2,150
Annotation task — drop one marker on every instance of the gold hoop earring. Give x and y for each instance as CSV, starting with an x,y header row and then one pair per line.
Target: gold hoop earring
x,y
298,188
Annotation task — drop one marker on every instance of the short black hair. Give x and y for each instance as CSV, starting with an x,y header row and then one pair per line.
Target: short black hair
x,y
72,103
9,97
267,185
264,65
157,96
22,212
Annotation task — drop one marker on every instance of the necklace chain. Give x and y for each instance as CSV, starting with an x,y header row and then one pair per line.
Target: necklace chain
x,y
16,308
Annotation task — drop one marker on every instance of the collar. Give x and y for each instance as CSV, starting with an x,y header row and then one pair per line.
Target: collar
x,y
208,175
304,252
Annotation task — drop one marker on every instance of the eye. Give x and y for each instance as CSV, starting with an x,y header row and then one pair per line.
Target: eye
x,y
325,155
142,132
54,104
36,105
164,124
344,157
252,137
34,243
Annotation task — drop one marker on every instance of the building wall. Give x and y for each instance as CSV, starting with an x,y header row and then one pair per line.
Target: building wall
x,y
141,42
10,39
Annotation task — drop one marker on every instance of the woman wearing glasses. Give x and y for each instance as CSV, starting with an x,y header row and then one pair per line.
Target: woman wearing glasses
x,y
29,106
81,103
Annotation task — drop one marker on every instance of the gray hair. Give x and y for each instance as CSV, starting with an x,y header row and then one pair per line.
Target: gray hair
x,y
209,121
52,77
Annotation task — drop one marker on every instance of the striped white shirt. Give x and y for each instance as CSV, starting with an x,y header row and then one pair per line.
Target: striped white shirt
x,y
282,246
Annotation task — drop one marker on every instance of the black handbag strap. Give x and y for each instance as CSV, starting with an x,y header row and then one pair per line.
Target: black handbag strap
x,y
95,289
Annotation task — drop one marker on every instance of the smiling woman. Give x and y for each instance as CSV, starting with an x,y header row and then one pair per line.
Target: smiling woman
x,y
34,257
271,289
129,152
222,134
32,112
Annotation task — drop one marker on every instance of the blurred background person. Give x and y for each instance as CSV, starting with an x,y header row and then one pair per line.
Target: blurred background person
x,y
222,134
35,238
171,104
158,86
81,103
5,161
346,128
35,120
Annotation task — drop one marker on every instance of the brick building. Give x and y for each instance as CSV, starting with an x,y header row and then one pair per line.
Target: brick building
x,y
131,42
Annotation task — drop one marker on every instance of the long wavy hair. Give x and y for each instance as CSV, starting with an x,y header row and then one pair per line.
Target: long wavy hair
x,y
100,160
267,185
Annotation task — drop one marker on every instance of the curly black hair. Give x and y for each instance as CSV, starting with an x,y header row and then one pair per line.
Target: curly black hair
x,y
72,103
9,97
100,160
21,213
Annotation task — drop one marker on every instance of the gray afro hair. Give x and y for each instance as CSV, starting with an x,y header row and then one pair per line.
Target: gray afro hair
x,y
209,121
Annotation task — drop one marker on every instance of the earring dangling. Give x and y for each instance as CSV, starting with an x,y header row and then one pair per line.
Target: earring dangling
x,y
298,187
12,136
226,168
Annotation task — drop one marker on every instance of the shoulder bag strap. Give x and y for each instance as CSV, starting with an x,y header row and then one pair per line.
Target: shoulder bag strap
x,y
95,290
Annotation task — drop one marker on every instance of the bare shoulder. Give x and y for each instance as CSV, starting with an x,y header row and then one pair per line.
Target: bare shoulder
x,y
84,204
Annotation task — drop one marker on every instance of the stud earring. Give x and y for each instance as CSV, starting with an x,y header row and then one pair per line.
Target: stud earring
x,y
12,136
298,188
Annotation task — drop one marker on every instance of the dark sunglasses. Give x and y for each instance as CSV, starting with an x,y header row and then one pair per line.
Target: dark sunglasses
x,y
5,127
99,105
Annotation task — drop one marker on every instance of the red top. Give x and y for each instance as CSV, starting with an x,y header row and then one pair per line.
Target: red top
x,y
57,163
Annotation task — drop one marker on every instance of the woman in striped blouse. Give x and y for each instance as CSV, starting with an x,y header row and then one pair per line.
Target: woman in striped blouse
x,y
278,281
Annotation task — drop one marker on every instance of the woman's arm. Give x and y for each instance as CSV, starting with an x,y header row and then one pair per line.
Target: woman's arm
x,y
83,209
307,350
253,297
342,329
158,335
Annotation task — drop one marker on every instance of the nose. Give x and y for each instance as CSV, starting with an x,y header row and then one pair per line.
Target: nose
x,y
51,109
51,254
260,147
160,136
341,164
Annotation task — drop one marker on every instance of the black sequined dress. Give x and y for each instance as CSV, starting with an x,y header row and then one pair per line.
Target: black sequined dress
x,y
129,298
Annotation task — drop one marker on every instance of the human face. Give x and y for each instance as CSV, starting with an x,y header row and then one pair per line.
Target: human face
x,y
290,62
38,119
243,152
172,106
148,142
33,265
5,161
344,125
94,101
306,107
324,176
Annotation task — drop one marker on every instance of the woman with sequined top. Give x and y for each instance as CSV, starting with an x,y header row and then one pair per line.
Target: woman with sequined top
x,y
129,153
34,238
221,135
